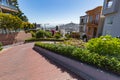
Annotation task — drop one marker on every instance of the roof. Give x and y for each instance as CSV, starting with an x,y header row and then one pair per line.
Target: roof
x,y
95,9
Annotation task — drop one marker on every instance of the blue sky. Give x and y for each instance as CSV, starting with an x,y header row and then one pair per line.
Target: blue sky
x,y
56,11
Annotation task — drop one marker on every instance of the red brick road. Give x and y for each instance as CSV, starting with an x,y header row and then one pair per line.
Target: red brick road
x,y
23,63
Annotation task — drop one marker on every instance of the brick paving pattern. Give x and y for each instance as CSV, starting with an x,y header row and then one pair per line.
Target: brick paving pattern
x,y
23,63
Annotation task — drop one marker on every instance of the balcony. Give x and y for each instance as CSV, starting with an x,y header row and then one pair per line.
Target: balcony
x,y
82,23
110,6
6,7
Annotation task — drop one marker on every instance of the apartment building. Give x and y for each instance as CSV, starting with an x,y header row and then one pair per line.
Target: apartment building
x,y
7,6
111,11
83,23
94,17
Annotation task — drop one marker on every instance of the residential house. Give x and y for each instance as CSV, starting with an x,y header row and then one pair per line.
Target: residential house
x,y
7,6
111,11
94,17
83,22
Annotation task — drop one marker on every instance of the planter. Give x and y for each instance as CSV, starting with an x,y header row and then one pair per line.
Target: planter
x,y
85,71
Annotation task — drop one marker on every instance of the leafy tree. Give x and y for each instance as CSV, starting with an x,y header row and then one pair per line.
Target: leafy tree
x,y
20,14
9,22
27,26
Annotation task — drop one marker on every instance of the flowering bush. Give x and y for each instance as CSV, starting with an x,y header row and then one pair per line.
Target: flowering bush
x,y
105,45
9,22
75,42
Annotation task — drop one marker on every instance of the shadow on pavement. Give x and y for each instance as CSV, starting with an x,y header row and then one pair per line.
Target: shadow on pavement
x,y
62,69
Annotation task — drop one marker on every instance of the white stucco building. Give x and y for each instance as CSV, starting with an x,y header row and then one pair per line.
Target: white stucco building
x,y
83,24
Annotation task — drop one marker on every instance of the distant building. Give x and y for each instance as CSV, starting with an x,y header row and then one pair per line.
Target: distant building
x,y
68,28
111,11
51,28
83,23
38,26
93,23
7,6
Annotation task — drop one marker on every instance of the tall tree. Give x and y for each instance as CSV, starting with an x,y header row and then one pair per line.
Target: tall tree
x,y
20,14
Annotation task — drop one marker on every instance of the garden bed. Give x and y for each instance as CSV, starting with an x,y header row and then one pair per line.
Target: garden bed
x,y
85,71
84,55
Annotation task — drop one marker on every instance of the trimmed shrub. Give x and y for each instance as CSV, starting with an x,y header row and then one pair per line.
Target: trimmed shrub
x,y
42,39
57,35
48,34
40,34
84,55
0,46
43,34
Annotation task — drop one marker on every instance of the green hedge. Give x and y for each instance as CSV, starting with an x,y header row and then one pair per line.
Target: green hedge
x,y
104,62
0,46
43,39
43,34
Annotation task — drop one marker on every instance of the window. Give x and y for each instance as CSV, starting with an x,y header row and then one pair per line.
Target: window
x,y
82,20
109,3
89,29
110,20
10,2
90,19
97,18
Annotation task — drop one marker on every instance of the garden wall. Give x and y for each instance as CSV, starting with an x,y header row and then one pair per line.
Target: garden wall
x,y
12,38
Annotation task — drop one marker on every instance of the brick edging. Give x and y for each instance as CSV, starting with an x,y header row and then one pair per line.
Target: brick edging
x,y
85,71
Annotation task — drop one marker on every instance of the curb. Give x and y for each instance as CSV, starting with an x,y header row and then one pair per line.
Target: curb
x,y
83,70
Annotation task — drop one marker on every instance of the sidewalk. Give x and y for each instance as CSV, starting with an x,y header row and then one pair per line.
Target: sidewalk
x,y
23,63
85,71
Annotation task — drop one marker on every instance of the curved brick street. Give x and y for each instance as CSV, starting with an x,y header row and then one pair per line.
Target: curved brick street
x,y
23,63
